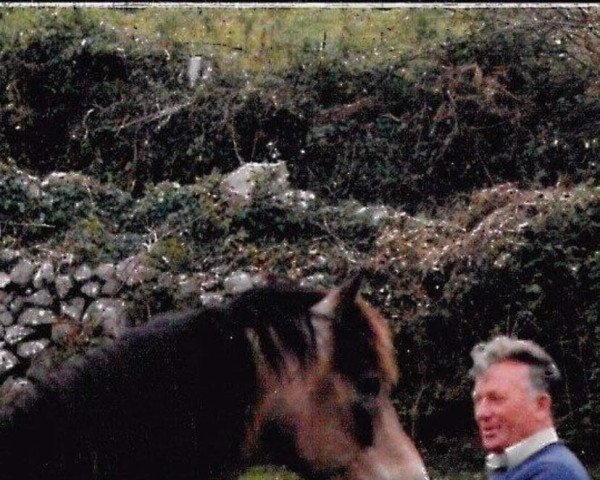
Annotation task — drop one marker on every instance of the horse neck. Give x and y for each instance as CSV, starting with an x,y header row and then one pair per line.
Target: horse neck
x,y
185,375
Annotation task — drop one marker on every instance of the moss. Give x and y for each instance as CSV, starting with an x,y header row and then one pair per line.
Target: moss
x,y
170,254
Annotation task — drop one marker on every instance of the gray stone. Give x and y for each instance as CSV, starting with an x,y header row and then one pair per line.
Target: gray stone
x,y
298,199
29,349
373,214
44,275
166,280
199,67
8,256
16,333
5,299
238,282
13,388
65,331
83,273
16,305
2,331
107,315
240,184
36,316
133,271
4,280
73,308
211,299
6,319
316,280
209,284
63,285
65,262
190,287
219,270
32,189
41,298
91,289
105,271
111,288
22,272
8,361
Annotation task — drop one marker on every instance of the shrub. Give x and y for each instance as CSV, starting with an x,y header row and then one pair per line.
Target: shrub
x,y
501,104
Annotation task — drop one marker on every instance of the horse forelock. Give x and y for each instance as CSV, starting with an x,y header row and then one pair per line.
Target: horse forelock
x,y
282,330
277,322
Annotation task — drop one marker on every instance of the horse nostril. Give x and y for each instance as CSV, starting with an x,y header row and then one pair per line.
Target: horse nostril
x,y
363,421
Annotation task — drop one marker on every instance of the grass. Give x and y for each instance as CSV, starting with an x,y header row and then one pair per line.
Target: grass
x,y
265,40
273,473
269,473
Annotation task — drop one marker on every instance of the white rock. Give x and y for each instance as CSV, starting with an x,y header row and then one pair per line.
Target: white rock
x,y
239,185
36,316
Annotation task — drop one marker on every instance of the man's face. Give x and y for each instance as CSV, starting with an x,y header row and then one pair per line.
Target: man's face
x,y
506,408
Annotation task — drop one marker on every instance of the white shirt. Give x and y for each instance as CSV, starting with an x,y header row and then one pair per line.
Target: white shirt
x,y
521,451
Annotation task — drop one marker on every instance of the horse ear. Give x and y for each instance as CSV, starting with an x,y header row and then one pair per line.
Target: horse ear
x,y
340,298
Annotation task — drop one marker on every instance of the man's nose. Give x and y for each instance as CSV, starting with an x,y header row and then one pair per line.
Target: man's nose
x,y
482,410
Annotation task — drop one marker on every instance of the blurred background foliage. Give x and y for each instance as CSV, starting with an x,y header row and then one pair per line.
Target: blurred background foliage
x,y
478,127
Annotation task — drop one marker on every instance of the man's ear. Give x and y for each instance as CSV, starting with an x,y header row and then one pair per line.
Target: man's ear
x,y
544,403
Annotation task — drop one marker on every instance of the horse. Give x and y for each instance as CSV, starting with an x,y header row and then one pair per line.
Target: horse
x,y
281,375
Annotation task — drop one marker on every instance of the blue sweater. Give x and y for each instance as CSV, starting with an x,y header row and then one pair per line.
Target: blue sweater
x,y
553,462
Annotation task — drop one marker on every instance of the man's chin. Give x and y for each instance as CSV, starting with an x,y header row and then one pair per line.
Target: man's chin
x,y
492,443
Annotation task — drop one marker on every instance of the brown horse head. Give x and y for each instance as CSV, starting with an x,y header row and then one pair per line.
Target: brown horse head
x,y
325,410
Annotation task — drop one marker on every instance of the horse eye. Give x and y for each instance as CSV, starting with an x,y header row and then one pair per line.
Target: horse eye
x,y
369,386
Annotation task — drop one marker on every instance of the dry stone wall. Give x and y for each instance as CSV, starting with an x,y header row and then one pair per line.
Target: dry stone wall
x,y
54,302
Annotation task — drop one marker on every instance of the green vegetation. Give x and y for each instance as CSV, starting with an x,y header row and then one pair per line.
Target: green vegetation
x,y
262,473
260,41
470,136
498,105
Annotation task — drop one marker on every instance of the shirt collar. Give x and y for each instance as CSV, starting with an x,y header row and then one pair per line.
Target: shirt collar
x,y
519,452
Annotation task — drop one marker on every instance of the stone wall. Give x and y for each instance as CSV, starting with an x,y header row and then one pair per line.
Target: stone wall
x,y
53,305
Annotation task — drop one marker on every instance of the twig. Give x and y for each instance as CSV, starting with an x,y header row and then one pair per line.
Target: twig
x,y
414,410
36,225
84,121
156,116
233,134
216,44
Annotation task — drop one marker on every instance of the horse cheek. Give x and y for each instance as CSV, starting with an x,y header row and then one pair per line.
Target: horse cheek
x,y
392,455
325,429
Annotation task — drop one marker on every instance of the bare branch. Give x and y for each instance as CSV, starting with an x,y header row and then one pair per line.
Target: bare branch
x,y
167,112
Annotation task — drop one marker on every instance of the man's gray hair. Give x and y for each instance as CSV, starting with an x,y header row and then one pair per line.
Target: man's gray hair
x,y
544,372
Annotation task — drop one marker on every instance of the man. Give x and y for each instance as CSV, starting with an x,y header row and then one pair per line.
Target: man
x,y
513,410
